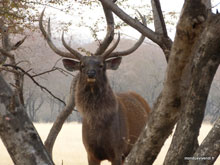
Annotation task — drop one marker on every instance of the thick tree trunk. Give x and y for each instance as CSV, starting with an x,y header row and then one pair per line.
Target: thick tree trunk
x,y
209,150
205,62
166,113
18,133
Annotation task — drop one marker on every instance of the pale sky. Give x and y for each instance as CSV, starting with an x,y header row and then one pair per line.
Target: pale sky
x,y
82,34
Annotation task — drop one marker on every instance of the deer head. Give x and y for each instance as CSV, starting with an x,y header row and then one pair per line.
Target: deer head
x,y
97,63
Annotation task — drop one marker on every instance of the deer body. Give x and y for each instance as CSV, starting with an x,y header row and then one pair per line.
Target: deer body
x,y
112,122
113,137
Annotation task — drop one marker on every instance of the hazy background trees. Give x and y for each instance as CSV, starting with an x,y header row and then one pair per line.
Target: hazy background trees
x,y
142,72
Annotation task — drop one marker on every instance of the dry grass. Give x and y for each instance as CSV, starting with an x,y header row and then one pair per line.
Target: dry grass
x,y
69,148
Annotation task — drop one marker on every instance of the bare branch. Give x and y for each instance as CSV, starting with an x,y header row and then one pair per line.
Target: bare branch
x,y
42,87
209,148
132,22
51,70
110,31
45,72
8,70
163,41
159,24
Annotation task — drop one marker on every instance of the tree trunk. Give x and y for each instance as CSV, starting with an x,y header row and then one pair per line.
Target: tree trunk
x,y
209,150
17,132
168,107
205,62
57,125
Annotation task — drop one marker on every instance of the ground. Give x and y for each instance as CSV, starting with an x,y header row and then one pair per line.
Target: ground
x,y
69,149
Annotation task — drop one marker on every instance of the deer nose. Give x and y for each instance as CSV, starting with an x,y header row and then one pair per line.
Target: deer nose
x,y
91,73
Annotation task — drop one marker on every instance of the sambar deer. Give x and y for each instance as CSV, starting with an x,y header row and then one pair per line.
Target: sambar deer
x,y
111,122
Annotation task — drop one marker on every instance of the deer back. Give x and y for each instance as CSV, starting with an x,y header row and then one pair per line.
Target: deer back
x,y
136,111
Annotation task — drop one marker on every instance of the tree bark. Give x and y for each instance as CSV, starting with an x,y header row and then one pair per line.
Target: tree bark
x,y
209,150
202,68
159,23
159,38
166,112
61,118
17,132
110,31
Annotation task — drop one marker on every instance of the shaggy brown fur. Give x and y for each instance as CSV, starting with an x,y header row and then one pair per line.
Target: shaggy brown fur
x,y
111,122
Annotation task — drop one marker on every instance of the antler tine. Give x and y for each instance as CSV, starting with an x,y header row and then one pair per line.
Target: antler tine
x,y
47,36
71,50
136,45
110,50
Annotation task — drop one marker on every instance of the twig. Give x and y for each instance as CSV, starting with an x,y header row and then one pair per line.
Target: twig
x,y
48,71
60,69
53,69
31,77
22,61
8,70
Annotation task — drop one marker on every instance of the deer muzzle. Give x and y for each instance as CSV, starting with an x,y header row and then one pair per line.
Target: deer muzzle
x,y
91,76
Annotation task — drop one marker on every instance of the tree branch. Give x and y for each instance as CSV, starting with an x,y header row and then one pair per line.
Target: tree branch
x,y
17,132
209,148
42,87
166,111
132,22
162,40
110,31
159,24
201,69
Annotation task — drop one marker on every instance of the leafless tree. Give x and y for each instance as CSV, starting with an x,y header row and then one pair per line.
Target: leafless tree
x,y
16,130
32,105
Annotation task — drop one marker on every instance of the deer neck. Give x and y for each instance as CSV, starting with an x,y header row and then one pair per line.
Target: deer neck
x,y
95,102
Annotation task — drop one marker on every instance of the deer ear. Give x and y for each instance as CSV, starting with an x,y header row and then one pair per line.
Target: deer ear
x,y
71,65
113,63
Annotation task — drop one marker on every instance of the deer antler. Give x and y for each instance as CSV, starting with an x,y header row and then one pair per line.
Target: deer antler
x,y
136,45
110,50
71,50
47,36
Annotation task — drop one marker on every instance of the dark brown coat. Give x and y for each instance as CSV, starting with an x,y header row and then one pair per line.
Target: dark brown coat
x,y
111,122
